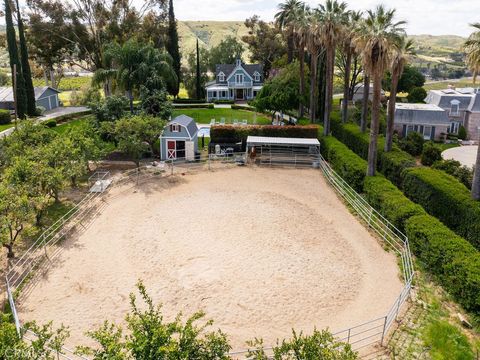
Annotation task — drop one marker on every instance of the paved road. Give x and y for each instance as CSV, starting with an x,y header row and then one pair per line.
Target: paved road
x,y
52,114
465,154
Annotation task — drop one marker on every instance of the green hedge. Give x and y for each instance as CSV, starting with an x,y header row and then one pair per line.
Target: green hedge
x,y
244,107
344,161
392,164
224,134
5,117
189,101
68,117
454,261
444,197
193,106
390,201
224,102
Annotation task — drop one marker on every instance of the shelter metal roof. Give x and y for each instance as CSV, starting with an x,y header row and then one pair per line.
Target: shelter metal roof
x,y
266,140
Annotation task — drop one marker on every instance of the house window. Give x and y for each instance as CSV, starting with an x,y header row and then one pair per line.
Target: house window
x,y
256,77
427,133
214,94
455,108
410,128
221,77
239,78
454,127
175,128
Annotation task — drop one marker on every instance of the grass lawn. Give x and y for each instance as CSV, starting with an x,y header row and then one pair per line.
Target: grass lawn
x,y
446,146
64,97
203,116
6,126
81,121
459,83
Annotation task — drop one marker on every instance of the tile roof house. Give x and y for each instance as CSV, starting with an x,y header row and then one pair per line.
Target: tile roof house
x,y
462,107
237,82
45,96
427,119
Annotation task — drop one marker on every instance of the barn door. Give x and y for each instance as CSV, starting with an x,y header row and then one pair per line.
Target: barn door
x,y
171,149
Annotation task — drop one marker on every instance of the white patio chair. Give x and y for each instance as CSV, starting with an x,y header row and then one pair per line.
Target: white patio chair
x,y
212,122
244,122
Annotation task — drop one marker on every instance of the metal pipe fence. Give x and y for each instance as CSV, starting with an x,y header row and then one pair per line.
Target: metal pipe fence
x,y
359,336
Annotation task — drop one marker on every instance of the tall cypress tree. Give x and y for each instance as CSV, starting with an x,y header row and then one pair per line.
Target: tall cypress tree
x,y
27,73
21,95
199,82
173,47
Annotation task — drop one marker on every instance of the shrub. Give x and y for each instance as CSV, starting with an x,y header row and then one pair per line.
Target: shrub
x,y
189,101
244,107
5,117
86,95
412,143
462,133
110,109
417,95
344,161
393,163
390,201
444,197
453,167
430,154
50,123
224,134
224,102
194,106
40,110
453,261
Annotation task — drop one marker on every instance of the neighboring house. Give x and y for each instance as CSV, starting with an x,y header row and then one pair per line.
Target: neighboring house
x,y
237,82
427,119
179,139
358,93
45,96
461,106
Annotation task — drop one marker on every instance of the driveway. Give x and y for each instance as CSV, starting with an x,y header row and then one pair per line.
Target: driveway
x,y
49,115
466,155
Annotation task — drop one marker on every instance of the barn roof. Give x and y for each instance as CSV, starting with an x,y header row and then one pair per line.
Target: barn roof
x,y
187,122
6,92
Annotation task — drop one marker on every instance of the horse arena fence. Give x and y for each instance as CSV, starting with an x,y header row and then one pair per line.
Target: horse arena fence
x,y
41,254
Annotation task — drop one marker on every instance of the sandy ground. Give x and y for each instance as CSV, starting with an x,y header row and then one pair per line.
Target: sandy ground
x,y
259,250
467,155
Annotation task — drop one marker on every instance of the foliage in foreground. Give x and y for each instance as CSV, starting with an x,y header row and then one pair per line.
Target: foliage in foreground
x,y
447,342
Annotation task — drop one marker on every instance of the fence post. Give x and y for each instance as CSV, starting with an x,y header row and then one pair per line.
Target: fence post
x,y
348,338
398,306
384,330
370,217
208,160
171,169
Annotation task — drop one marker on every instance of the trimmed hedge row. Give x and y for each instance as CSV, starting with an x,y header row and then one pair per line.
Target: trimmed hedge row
x,y
390,201
193,106
5,117
234,134
344,161
189,101
454,261
391,164
444,197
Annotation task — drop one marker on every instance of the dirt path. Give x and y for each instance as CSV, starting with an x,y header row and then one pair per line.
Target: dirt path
x,y
259,250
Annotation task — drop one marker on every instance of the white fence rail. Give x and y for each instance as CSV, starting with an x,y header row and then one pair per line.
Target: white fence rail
x,y
45,247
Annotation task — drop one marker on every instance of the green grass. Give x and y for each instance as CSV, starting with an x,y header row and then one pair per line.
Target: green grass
x,y
77,123
446,342
446,146
6,126
203,116
460,83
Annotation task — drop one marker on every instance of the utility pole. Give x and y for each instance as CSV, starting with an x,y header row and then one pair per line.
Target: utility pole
x,y
14,80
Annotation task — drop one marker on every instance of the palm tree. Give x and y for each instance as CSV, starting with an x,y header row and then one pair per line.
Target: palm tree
x,y
400,55
131,65
314,47
375,38
333,18
472,50
301,29
365,100
286,19
348,52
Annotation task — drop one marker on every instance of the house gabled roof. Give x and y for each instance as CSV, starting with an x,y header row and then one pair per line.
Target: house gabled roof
x,y
420,114
475,103
6,92
187,122
228,69
444,98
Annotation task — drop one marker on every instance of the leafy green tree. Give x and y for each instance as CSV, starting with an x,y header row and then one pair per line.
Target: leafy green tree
x,y
156,103
264,42
226,52
411,78
111,108
417,95
21,95
281,93
430,154
173,48
198,76
153,338
15,214
319,345
190,73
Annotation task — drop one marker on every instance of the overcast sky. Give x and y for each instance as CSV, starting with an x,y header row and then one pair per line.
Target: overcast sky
x,y
435,17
